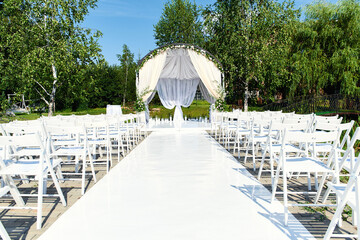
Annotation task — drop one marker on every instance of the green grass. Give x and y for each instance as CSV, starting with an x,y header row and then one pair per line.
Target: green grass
x,y
199,108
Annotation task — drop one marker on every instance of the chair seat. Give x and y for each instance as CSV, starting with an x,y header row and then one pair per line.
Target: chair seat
x,y
306,164
69,151
347,164
260,138
64,142
98,141
288,148
4,190
339,189
26,167
243,132
27,152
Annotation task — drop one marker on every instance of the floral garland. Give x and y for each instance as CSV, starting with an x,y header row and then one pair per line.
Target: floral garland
x,y
139,103
220,102
174,46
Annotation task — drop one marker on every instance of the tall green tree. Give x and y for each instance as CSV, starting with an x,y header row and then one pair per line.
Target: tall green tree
x,y
326,50
251,39
13,44
127,64
179,23
54,48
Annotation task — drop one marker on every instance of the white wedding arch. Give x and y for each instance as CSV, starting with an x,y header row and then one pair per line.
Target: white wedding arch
x,y
175,71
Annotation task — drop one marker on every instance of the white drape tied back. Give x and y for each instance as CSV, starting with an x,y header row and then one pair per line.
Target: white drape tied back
x,y
150,73
208,72
175,74
178,82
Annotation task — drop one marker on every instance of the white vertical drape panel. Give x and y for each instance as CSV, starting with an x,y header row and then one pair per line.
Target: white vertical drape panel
x,y
208,72
178,82
149,74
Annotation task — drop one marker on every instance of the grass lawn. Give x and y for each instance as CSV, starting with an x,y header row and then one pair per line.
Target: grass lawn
x,y
197,109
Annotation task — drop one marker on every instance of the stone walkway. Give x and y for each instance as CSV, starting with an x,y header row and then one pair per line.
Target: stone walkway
x,y
177,185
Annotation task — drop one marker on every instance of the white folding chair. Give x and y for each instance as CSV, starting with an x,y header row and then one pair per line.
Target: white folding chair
x,y
290,162
3,233
258,135
72,142
273,144
346,194
98,138
39,167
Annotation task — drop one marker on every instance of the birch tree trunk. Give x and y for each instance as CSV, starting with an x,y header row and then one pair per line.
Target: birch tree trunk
x,y
126,78
53,91
246,97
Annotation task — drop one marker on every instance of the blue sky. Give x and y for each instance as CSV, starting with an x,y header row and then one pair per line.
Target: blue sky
x,y
131,22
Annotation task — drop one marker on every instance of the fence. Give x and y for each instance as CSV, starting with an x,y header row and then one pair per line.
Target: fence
x,y
327,104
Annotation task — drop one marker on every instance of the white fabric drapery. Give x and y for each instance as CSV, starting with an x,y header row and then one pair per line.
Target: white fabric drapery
x,y
178,82
175,74
209,74
150,73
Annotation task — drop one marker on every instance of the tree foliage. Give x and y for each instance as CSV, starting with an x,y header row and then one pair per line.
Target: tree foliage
x,y
326,50
251,39
179,23
128,68
46,46
263,45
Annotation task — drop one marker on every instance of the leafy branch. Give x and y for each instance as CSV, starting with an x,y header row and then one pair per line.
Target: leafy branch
x,y
139,103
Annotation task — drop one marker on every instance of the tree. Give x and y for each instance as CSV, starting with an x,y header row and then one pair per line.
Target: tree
x,y
326,50
56,48
251,39
13,44
127,62
179,23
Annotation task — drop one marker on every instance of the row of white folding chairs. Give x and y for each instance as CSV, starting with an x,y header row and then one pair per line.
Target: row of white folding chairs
x,y
320,136
227,123
16,161
348,193
34,128
99,133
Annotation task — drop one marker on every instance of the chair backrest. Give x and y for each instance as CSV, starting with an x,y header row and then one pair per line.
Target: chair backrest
x,y
307,141
58,133
329,119
350,152
8,143
309,137
347,128
32,128
325,126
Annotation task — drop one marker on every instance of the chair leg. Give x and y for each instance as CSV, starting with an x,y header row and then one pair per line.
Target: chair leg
x,y
92,168
334,220
253,156
271,167
40,201
246,153
57,186
286,212
274,185
83,177
309,181
14,190
3,233
321,185
261,165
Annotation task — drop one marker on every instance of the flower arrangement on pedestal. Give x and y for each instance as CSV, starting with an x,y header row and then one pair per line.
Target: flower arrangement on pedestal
x,y
220,102
139,103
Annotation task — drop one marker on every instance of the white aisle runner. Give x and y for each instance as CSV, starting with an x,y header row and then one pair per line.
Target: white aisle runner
x,y
177,185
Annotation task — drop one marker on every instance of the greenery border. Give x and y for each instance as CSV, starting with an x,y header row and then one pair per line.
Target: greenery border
x,y
163,48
